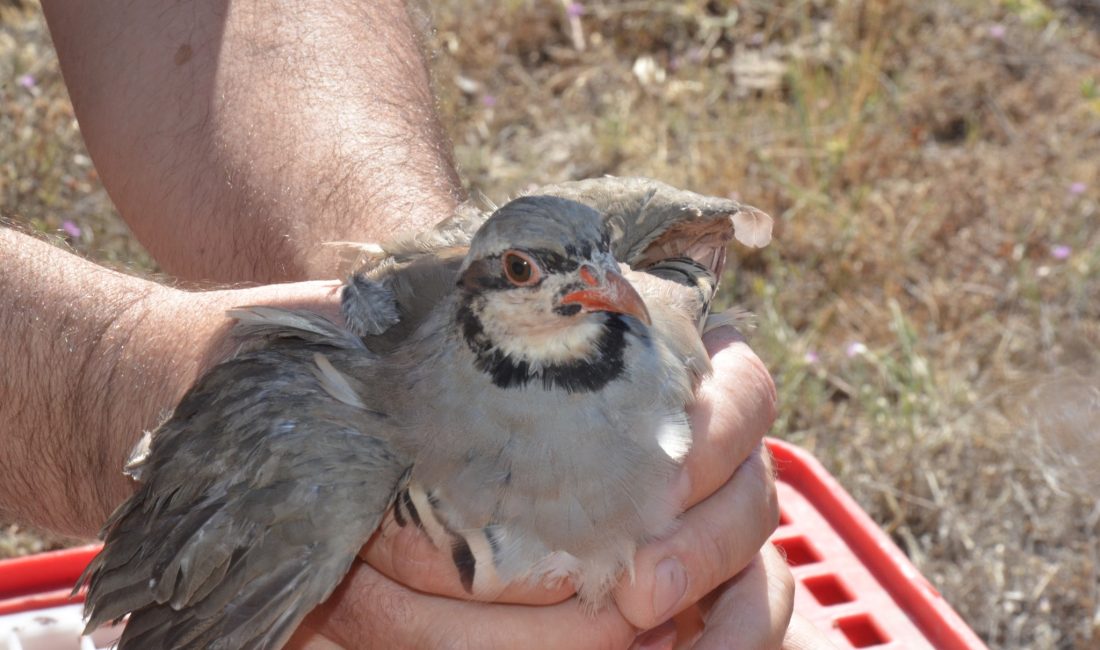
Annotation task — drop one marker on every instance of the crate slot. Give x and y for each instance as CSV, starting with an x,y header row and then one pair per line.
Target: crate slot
x,y
798,550
861,631
828,590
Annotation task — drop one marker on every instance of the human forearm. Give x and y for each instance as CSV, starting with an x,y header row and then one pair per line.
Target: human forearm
x,y
90,358
235,138
74,334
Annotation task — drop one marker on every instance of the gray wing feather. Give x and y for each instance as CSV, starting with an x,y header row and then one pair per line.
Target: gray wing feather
x,y
678,293
261,489
651,221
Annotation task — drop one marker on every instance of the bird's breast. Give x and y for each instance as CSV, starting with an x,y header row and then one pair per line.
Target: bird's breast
x,y
545,477
556,473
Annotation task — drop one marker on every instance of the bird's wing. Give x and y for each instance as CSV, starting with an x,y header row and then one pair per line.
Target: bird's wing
x,y
259,491
678,293
652,221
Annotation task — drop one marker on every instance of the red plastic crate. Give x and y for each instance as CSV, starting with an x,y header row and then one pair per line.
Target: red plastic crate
x,y
43,580
852,581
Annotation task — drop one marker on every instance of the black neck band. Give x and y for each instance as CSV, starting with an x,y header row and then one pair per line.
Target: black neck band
x,y
582,375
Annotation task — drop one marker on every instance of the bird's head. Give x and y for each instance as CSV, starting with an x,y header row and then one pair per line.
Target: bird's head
x,y
542,297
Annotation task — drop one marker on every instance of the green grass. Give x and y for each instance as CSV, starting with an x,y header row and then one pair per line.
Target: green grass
x,y
924,162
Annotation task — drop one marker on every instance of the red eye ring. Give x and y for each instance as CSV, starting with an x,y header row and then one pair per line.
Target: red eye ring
x,y
520,269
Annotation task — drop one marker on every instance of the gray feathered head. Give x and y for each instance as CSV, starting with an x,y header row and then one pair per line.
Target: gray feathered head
x,y
559,226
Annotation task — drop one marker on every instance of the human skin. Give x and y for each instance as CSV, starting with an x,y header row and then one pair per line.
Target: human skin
x,y
235,140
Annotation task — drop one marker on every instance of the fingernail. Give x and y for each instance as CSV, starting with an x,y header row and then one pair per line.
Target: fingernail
x,y
671,584
659,638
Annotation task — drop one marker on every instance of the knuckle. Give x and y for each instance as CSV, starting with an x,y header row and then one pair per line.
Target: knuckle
x,y
741,378
758,374
782,579
771,503
766,506
718,553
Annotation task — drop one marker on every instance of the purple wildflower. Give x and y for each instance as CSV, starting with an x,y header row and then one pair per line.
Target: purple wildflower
x,y
997,31
71,228
1077,189
855,349
810,357
27,81
1060,251
488,101
574,10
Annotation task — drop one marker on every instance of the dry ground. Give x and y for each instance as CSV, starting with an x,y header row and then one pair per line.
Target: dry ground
x,y
931,304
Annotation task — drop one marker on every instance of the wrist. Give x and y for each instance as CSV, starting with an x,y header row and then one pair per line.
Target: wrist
x,y
133,375
91,359
165,342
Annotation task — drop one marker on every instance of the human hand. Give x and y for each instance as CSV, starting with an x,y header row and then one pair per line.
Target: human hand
x,y
410,595
742,587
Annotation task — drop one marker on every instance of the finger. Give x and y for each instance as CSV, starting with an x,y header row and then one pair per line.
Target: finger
x,y
803,635
307,638
369,610
715,540
734,408
406,554
662,637
753,609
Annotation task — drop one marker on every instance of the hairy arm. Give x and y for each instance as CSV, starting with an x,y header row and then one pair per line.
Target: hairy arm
x,y
90,358
236,137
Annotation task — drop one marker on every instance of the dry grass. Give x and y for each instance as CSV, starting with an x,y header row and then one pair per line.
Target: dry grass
x,y
931,304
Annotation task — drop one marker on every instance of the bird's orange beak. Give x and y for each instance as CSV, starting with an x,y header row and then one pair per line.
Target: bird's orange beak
x,y
615,295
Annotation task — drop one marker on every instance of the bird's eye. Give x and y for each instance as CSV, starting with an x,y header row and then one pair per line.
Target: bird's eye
x,y
520,269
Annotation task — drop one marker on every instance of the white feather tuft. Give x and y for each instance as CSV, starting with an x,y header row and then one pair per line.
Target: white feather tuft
x,y
674,439
335,383
135,462
738,318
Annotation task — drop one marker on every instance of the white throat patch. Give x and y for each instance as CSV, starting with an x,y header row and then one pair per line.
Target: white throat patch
x,y
545,340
